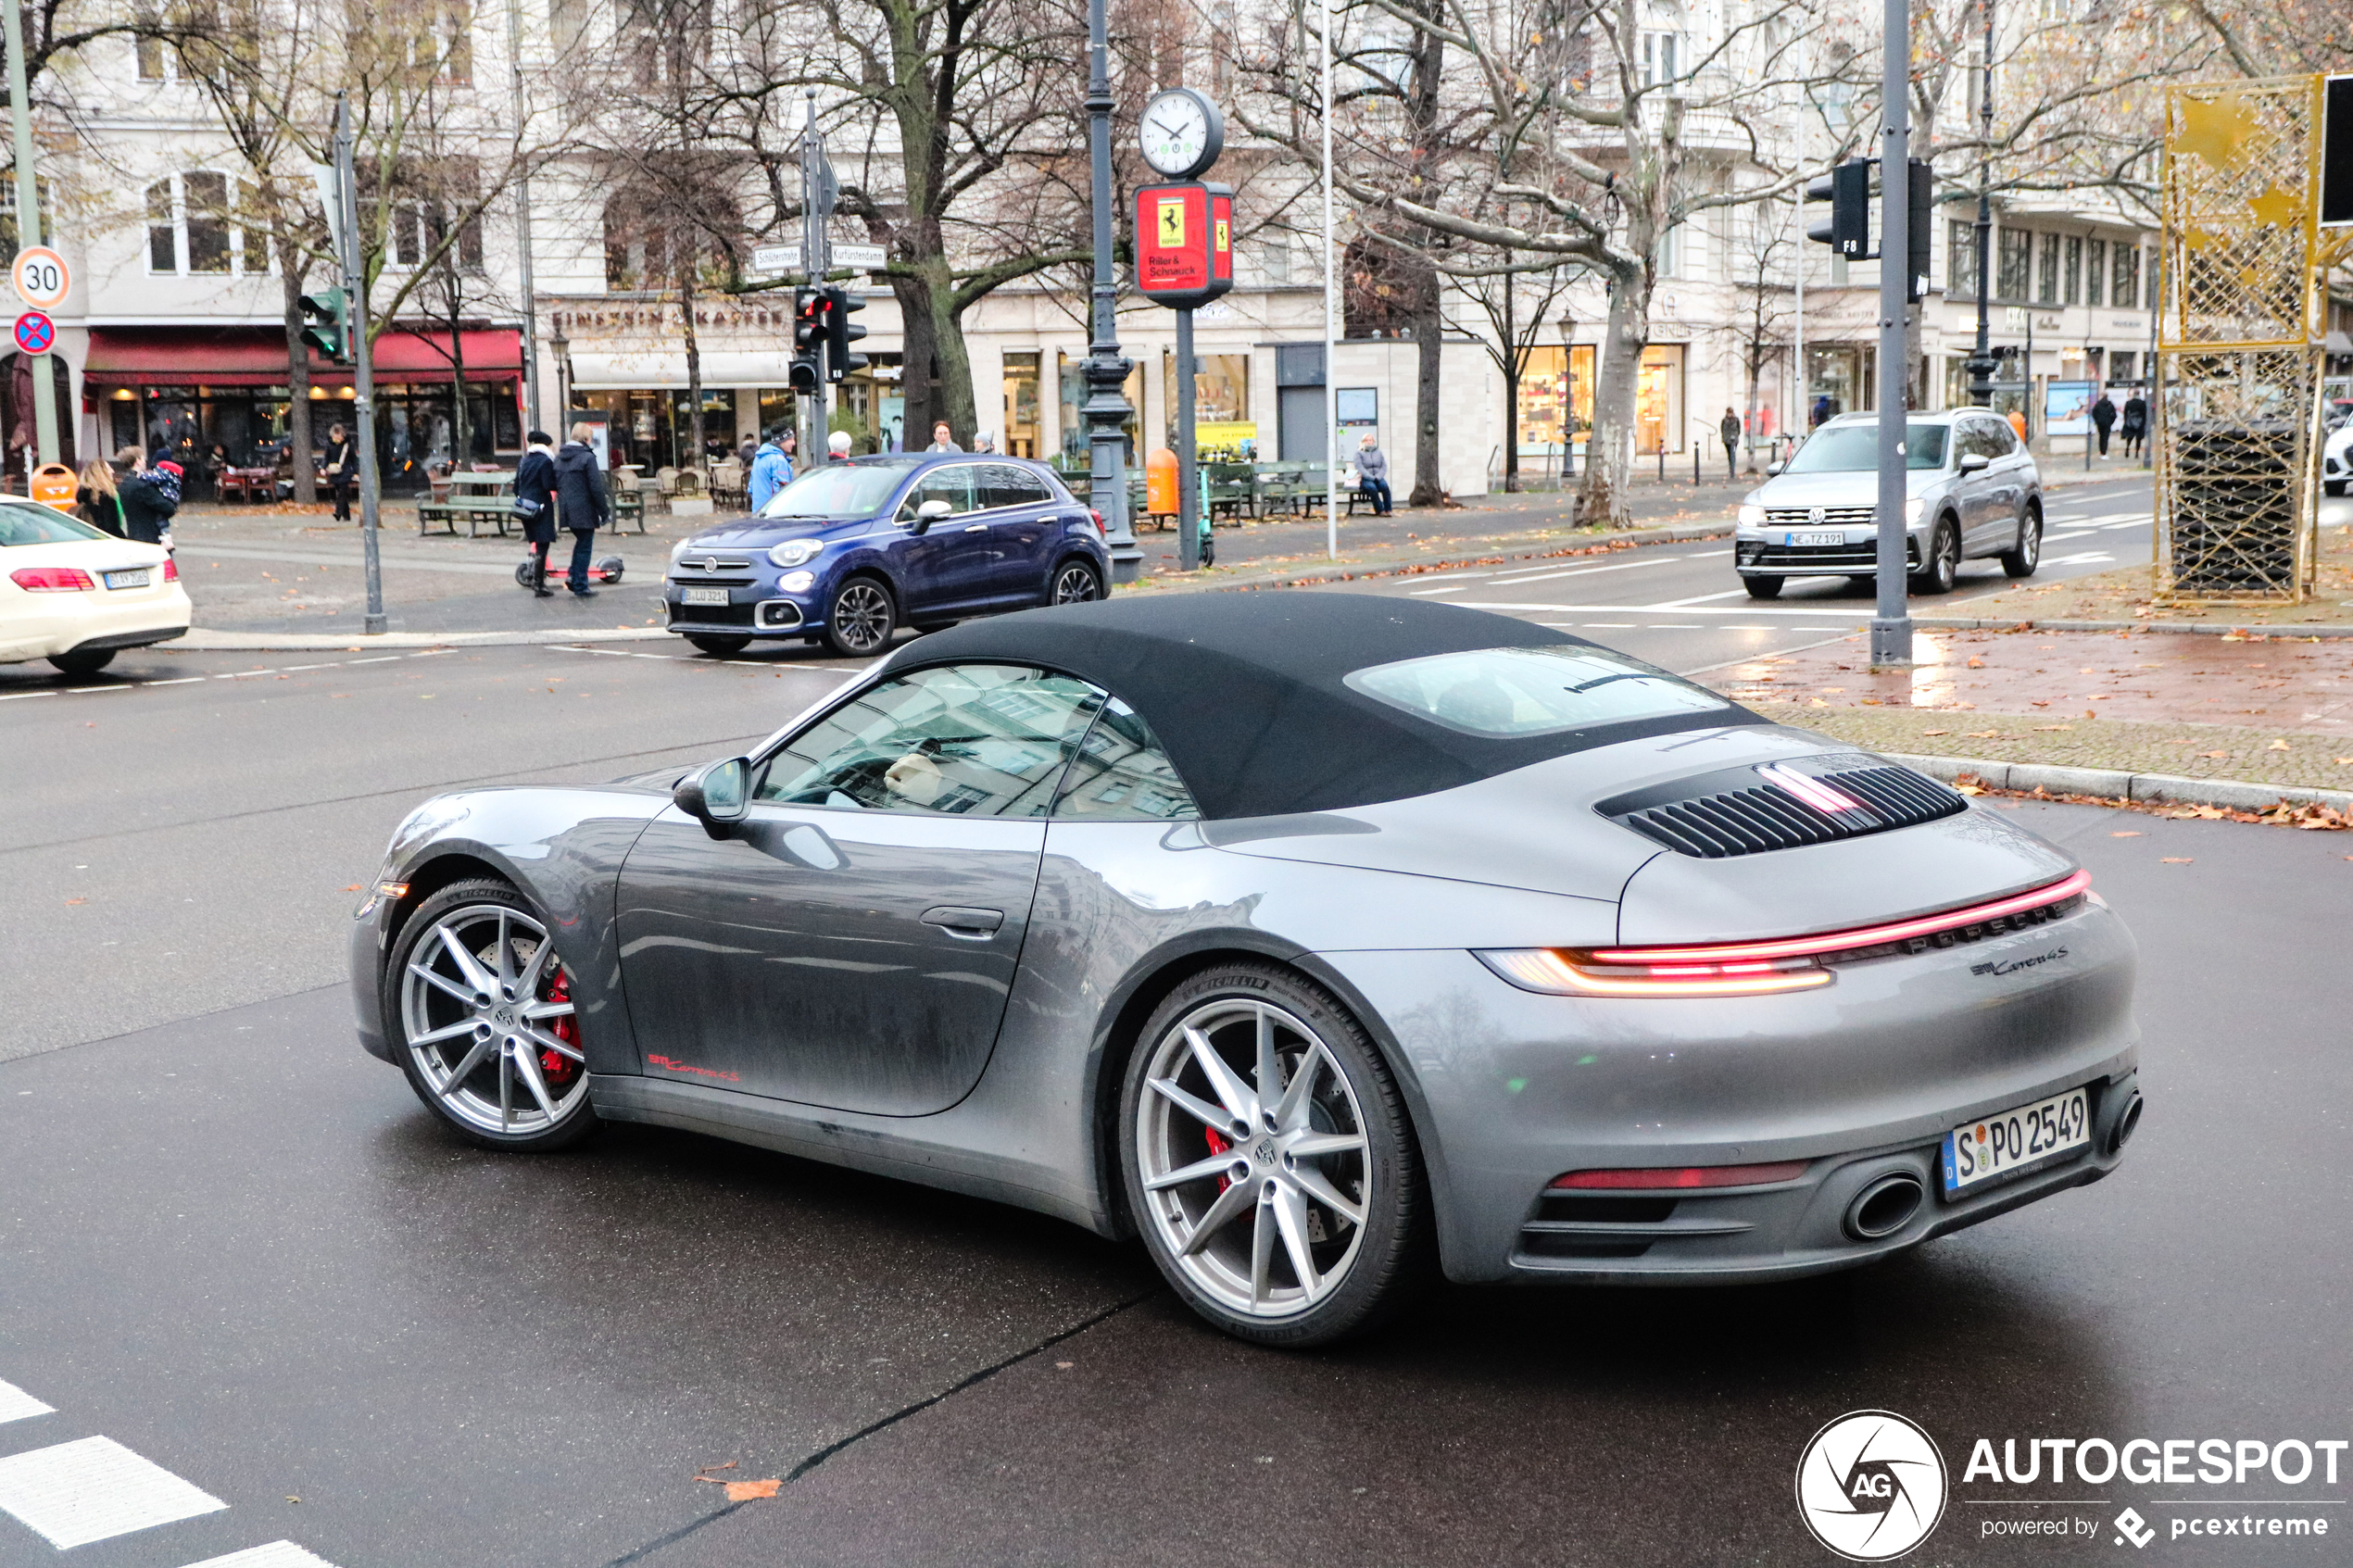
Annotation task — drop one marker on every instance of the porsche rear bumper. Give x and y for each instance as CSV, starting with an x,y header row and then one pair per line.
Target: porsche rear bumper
x,y
1859,1080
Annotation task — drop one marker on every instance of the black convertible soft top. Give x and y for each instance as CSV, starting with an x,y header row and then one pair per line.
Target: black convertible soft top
x,y
1247,691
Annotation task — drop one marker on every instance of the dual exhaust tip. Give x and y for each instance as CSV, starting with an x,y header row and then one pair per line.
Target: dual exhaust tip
x,y
1887,1204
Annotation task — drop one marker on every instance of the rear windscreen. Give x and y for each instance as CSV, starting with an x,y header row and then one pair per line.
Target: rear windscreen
x,y
1506,693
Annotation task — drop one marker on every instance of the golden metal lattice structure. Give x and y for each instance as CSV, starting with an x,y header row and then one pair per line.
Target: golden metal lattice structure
x,y
2238,366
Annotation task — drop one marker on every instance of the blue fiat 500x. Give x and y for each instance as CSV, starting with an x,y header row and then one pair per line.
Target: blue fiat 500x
x,y
849,553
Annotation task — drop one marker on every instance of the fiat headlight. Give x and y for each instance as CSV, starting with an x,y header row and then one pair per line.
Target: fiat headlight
x,y
795,552
795,582
1752,517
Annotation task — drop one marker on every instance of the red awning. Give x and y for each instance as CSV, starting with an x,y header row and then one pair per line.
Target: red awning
x,y
256,357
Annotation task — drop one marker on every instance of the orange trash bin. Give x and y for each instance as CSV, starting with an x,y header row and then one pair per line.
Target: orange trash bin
x,y
54,484
1160,482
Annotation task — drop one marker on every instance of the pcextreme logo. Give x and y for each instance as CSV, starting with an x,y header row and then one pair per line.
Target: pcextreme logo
x,y
1870,1485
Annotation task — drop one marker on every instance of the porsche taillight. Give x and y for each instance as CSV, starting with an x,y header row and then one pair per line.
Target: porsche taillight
x,y
1792,964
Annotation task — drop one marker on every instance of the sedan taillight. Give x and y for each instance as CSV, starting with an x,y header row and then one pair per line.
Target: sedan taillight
x,y
171,569
52,579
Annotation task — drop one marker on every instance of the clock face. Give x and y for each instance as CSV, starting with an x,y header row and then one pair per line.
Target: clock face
x,y
1178,135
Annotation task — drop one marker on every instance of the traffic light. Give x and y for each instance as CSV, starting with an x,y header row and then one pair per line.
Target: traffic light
x,y
808,338
840,333
1847,188
1919,217
328,314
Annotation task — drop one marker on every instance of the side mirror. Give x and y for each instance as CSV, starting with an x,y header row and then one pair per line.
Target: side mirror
x,y
1772,470
931,512
715,796
1973,462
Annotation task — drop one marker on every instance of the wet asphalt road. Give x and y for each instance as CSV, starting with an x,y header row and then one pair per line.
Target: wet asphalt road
x,y
233,1244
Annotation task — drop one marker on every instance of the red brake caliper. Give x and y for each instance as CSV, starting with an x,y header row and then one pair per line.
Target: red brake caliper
x,y
1217,1146
555,1064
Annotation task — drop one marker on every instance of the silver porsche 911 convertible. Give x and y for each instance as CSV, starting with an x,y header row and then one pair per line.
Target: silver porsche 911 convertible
x,y
1326,941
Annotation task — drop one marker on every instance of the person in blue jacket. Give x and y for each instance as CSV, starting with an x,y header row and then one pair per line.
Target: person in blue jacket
x,y
771,470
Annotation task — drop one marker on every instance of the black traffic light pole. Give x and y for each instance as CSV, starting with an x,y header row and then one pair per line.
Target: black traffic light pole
x,y
1980,360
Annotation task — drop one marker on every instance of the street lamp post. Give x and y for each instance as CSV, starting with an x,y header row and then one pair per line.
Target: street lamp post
x,y
1980,360
1892,626
1107,411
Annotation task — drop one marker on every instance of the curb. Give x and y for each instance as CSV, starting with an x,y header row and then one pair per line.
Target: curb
x,y
1982,623
204,639
2112,784
1343,571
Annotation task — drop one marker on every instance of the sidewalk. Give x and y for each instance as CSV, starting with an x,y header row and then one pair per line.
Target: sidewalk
x,y
2124,595
2271,711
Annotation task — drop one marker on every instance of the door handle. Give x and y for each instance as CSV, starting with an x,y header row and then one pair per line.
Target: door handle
x,y
969,924
976,527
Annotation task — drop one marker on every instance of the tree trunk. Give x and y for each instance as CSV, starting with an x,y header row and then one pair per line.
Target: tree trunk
x,y
952,354
1429,343
1512,364
694,362
461,448
1609,451
914,381
306,477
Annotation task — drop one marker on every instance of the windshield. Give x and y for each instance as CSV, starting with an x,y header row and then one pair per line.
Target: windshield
x,y
1504,694
40,525
838,490
1854,448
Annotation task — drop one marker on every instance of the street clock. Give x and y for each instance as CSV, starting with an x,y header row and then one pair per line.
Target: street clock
x,y
1181,133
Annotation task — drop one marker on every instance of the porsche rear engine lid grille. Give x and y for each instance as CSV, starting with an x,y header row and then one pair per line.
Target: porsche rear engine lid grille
x,y
1782,805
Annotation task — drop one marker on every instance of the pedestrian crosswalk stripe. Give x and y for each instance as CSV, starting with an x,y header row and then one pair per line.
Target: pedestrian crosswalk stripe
x,y
16,1404
277,1554
92,1490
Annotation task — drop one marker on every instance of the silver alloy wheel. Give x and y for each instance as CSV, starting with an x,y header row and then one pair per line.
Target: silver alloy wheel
x,y
1075,584
1943,567
862,615
484,1012
2029,542
1247,1114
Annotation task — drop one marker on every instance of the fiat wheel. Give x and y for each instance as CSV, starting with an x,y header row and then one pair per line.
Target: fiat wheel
x,y
1075,583
1270,1160
859,619
480,1014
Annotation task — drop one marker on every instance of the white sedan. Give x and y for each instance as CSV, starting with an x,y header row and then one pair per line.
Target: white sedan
x,y
2336,458
77,597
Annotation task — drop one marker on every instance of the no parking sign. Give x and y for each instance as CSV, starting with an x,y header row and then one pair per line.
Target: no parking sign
x,y
36,333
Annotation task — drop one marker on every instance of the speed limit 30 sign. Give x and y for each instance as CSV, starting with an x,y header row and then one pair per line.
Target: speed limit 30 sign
x,y
41,277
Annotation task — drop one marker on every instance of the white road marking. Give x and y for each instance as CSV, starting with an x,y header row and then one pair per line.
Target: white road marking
x,y
330,664
1454,588
92,1490
16,697
1639,609
277,1554
1707,555
2134,522
1516,579
379,658
2082,557
2071,533
16,1404
1610,626
1700,599
76,690
177,681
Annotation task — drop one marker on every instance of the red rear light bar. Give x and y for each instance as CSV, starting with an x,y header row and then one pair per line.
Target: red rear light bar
x,y
1668,1178
1841,941
53,579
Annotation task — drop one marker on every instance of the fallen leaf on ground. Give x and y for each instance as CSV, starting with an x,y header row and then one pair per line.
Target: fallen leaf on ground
x,y
2277,745
77,900
1975,662
2089,714
2133,833
1986,735
2048,727
744,1491
2213,754
1927,733
2178,860
351,888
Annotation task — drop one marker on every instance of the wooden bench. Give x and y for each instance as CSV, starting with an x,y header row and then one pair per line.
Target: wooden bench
x,y
476,498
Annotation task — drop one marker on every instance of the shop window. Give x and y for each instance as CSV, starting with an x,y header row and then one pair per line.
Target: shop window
x,y
1221,401
2096,273
2047,269
1658,400
1021,405
2015,254
163,253
1070,373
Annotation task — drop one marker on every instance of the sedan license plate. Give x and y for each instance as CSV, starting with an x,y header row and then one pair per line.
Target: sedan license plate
x,y
2016,1141
137,577
1831,538
702,596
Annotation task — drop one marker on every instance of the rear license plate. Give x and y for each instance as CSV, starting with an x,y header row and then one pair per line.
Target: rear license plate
x,y
702,596
2017,1141
1833,538
137,577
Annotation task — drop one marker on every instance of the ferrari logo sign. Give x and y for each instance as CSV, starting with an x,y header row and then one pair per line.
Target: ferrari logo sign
x,y
1172,223
1184,244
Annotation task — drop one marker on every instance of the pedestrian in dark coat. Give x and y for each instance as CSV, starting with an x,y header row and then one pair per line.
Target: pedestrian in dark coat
x,y
100,502
535,506
1730,431
2103,420
581,503
147,499
2137,424
341,466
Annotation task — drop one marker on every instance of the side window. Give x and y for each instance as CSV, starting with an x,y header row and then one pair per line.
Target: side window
x,y
973,740
2000,440
952,483
1121,775
1006,485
